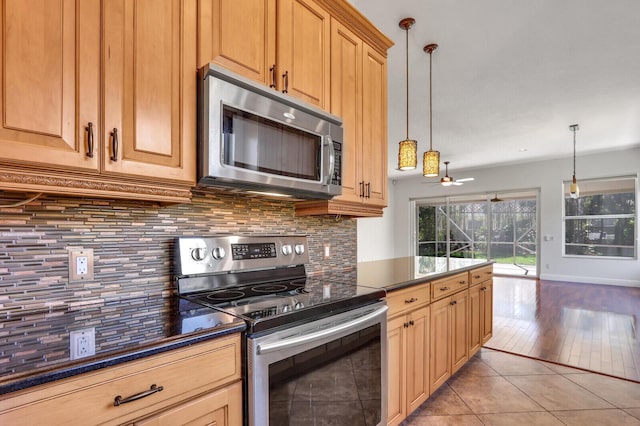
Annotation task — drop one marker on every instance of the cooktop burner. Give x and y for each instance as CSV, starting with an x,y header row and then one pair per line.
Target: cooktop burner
x,y
225,295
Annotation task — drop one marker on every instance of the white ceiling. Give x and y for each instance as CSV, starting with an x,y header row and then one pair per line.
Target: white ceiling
x,y
511,75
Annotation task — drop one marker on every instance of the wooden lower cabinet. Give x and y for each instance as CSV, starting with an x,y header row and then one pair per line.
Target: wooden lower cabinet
x,y
221,408
480,315
408,355
201,384
449,334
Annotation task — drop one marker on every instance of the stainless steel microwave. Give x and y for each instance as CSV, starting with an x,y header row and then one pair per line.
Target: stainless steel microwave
x,y
255,138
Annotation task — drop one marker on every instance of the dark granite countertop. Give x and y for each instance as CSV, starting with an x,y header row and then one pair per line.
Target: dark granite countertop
x,y
401,272
35,349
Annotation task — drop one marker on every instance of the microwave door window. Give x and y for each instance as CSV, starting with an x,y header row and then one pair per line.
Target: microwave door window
x,y
255,143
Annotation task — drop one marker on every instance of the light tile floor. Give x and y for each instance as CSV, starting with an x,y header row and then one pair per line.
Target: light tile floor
x,y
497,388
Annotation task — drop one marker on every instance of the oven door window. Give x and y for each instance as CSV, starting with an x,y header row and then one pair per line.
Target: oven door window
x,y
255,143
338,383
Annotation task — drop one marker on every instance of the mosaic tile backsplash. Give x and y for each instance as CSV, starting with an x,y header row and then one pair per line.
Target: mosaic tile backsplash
x,y
132,244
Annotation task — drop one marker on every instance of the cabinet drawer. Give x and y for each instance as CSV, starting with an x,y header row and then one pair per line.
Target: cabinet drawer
x,y
481,274
408,298
182,373
446,286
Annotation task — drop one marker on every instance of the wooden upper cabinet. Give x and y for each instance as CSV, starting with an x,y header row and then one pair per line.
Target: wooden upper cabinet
x,y
346,103
149,92
279,43
240,35
51,82
374,125
303,51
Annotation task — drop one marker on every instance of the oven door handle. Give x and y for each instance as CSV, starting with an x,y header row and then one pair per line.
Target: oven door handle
x,y
264,348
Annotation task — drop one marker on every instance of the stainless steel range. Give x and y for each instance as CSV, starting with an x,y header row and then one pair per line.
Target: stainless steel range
x,y
315,345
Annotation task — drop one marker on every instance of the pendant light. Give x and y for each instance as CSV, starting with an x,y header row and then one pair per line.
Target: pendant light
x,y
446,180
431,158
574,191
408,150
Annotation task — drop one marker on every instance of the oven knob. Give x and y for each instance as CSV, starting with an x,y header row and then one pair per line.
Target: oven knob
x,y
198,254
286,308
299,305
218,253
286,249
299,249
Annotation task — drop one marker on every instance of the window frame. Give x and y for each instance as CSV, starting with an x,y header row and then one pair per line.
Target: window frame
x,y
634,216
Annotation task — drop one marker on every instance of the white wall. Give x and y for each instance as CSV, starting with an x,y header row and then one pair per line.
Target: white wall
x,y
375,235
548,176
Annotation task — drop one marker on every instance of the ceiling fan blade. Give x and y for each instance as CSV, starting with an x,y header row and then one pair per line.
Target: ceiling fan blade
x,y
469,179
458,183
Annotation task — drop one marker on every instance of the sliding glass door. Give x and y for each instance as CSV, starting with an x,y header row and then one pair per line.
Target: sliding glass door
x,y
500,227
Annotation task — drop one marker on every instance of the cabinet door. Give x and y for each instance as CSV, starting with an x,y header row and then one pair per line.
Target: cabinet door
x,y
50,87
374,127
346,103
487,310
303,51
476,318
417,358
439,361
396,349
459,330
221,408
150,88
239,35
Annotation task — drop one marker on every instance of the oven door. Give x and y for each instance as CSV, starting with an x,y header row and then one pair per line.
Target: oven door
x,y
329,371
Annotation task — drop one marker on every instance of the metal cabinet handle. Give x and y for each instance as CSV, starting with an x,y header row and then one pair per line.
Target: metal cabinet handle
x,y
444,288
453,302
462,282
413,299
114,147
361,189
411,322
272,70
285,81
90,140
405,325
483,288
119,401
476,276
368,186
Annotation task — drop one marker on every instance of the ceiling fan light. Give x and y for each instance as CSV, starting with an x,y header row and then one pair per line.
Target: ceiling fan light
x,y
431,163
446,181
408,154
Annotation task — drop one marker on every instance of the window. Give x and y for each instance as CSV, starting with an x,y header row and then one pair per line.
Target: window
x,y
602,221
481,226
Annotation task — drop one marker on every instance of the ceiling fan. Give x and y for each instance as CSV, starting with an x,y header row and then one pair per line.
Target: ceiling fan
x,y
449,180
496,199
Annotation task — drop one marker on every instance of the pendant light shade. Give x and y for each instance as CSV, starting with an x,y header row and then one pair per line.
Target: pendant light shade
x,y
574,191
446,180
408,148
431,158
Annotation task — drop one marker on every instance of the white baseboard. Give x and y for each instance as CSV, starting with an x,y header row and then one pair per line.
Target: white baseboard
x,y
591,280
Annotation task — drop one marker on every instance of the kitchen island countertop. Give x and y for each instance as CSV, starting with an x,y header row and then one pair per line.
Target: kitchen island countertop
x,y
402,272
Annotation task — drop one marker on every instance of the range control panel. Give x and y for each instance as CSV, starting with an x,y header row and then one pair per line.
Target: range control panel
x,y
208,255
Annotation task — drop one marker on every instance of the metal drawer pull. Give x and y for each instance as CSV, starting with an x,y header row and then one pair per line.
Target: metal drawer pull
x,y
483,288
413,299
119,401
476,276
285,81
114,149
444,288
273,76
454,302
462,282
90,140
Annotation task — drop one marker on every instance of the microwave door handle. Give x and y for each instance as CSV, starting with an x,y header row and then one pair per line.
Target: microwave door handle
x,y
332,160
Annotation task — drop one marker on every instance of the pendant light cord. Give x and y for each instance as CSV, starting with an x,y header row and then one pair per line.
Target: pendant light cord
x,y
574,153
407,75
430,106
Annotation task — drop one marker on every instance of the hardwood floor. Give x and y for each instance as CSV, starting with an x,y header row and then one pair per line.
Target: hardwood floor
x,y
593,327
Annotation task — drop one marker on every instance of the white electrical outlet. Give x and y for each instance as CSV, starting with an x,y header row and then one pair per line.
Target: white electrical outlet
x,y
327,250
83,343
80,264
